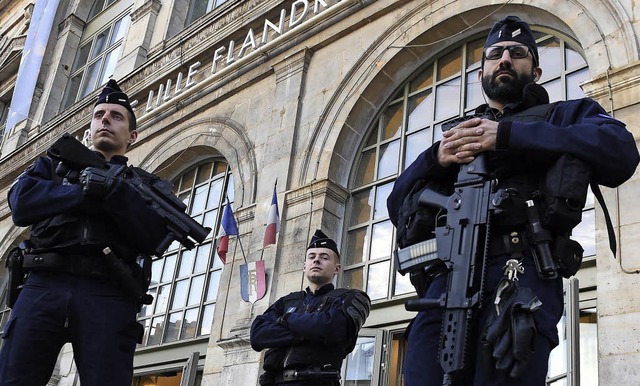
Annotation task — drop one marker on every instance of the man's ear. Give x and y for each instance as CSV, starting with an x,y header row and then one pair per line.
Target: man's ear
x,y
537,74
132,137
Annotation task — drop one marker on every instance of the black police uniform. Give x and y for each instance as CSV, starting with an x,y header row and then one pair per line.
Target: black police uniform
x,y
308,334
71,294
524,151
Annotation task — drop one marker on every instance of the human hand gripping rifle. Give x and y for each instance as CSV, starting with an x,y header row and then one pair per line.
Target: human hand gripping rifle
x,y
75,156
461,249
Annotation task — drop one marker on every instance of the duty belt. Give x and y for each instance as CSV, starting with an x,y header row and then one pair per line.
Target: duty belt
x,y
508,243
307,374
60,262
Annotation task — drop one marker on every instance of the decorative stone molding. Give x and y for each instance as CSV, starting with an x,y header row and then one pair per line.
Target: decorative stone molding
x,y
71,23
292,65
149,6
16,44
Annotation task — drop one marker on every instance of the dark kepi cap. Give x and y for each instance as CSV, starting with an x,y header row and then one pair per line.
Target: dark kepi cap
x,y
111,93
320,240
511,28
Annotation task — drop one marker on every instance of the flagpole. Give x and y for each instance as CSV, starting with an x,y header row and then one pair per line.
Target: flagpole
x,y
238,241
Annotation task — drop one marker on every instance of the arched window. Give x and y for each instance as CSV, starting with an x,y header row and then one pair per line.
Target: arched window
x,y
184,283
447,87
100,49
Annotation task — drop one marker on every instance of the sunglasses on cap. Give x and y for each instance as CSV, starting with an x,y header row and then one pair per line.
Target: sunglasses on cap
x,y
516,52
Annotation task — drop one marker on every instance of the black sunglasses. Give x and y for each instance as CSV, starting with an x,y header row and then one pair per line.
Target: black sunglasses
x,y
516,52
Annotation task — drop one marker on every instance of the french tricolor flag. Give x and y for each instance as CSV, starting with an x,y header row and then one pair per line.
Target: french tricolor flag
x,y
228,226
273,221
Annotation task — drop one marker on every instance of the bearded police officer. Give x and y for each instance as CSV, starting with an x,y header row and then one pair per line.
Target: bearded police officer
x,y
71,293
525,141
309,333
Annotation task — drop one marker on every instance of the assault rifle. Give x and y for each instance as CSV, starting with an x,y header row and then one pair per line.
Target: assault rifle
x,y
461,249
75,156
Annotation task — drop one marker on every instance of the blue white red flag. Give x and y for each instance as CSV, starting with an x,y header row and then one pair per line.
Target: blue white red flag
x,y
228,226
252,281
273,221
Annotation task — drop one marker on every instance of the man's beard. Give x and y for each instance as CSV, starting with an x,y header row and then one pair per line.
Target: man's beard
x,y
508,90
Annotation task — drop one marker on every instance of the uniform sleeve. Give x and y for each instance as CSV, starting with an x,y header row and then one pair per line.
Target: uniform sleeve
x,y
580,128
426,166
267,332
35,195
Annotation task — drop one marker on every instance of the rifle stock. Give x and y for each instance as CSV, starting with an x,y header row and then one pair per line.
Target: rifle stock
x,y
180,226
461,247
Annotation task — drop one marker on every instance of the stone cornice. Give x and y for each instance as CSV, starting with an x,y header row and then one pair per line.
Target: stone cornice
x,y
71,22
613,82
149,6
16,44
298,62
324,187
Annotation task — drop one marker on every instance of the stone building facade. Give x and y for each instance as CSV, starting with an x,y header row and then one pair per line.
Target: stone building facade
x,y
325,102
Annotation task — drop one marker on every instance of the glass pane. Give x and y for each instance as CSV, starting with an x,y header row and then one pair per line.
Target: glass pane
x,y
585,233
359,366
195,292
474,96
110,62
214,282
72,90
199,199
378,280
197,8
557,359
180,296
556,90
186,263
356,242
162,299
156,269
147,309
381,240
403,285
81,57
389,155
184,197
202,258
214,193
219,167
380,207
207,319
119,28
474,52
373,138
187,180
100,43
424,79
210,219
169,267
574,91
189,324
155,335
550,58
449,65
573,58
353,278
366,168
391,121
90,79
420,111
204,173
416,144
448,99
173,327
361,210
589,351
230,191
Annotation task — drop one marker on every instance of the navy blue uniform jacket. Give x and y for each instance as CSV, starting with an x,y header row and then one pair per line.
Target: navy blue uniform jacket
x,y
578,127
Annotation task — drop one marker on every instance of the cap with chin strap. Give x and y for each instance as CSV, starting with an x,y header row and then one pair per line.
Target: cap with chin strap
x,y
111,93
320,240
511,28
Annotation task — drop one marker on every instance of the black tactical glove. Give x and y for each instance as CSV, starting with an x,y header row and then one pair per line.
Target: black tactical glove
x,y
510,333
98,183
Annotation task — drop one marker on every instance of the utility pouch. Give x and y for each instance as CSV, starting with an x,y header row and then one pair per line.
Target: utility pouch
x,y
417,222
16,275
564,194
274,359
568,254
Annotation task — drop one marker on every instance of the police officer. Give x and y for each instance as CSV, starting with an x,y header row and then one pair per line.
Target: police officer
x,y
309,333
523,136
72,294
